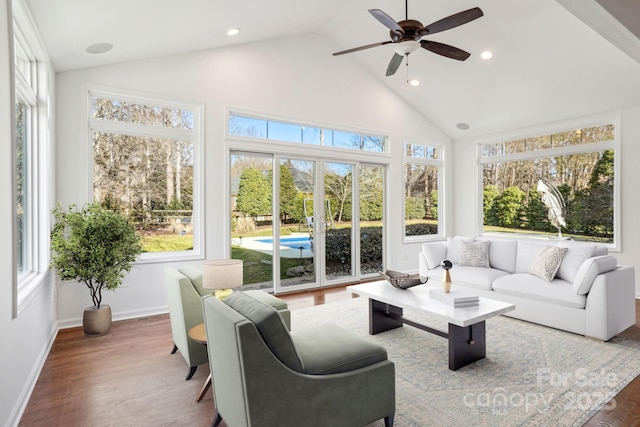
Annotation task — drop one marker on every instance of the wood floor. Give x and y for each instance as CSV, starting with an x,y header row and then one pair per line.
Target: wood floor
x,y
129,378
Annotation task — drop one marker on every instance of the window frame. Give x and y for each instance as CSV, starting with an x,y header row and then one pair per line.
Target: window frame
x,y
33,90
134,129
440,165
565,126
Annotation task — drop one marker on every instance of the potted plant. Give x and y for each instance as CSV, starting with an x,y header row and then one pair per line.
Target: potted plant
x,y
95,246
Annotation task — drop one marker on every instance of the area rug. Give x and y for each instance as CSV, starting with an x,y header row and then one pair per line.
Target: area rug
x,y
532,375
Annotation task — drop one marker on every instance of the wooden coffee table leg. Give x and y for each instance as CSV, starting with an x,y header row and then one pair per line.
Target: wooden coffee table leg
x,y
466,345
379,317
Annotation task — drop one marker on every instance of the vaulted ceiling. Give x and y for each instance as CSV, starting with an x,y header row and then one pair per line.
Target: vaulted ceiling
x,y
552,59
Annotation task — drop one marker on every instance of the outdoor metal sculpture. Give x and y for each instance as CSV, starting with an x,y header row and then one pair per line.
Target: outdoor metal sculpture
x,y
554,202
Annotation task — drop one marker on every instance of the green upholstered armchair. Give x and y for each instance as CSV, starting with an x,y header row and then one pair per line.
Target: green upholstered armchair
x,y
265,376
185,291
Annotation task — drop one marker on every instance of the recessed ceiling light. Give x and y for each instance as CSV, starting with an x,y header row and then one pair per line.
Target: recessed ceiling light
x,y
463,126
233,32
98,48
414,82
486,54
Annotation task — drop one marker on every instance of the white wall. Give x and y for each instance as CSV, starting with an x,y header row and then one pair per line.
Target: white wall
x,y
290,78
466,195
26,339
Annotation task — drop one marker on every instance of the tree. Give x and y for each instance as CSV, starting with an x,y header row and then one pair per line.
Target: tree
x,y
254,193
508,207
338,188
288,194
489,196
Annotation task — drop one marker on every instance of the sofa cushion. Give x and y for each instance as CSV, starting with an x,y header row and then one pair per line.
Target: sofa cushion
x,y
502,254
547,262
526,252
195,276
590,269
434,253
474,254
532,287
270,326
330,349
453,247
573,259
472,277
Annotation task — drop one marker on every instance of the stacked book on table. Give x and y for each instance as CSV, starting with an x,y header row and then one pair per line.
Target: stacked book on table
x,y
454,298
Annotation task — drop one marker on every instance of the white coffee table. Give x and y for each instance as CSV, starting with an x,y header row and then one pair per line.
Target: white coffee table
x,y
466,332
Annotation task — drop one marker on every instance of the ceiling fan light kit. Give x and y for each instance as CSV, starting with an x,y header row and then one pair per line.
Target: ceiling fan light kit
x,y
406,36
407,47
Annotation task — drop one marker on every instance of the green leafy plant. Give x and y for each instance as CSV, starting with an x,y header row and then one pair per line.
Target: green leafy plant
x,y
93,245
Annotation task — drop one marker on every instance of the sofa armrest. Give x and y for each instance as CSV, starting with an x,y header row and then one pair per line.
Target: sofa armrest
x,y
590,269
611,305
423,267
433,253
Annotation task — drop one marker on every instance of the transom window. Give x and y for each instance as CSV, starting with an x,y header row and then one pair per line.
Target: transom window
x,y
144,165
261,128
558,184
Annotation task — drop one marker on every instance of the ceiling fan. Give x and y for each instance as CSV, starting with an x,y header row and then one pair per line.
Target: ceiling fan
x,y
406,36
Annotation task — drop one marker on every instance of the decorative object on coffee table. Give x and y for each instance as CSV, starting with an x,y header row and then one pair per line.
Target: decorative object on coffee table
x,y
446,277
403,280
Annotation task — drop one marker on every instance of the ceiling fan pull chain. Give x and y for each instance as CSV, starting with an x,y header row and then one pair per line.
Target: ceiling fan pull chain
x,y
407,67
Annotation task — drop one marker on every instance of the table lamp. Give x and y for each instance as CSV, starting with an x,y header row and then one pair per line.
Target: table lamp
x,y
222,275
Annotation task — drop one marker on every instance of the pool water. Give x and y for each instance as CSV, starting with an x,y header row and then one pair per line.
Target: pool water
x,y
291,242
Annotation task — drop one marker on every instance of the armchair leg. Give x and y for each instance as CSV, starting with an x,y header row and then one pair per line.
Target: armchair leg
x,y
217,420
175,348
388,421
192,370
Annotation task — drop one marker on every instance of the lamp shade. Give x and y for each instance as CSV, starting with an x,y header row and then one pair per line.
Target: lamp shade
x,y
222,273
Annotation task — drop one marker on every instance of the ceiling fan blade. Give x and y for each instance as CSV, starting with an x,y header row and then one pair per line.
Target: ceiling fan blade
x,y
445,50
394,64
387,21
452,21
356,49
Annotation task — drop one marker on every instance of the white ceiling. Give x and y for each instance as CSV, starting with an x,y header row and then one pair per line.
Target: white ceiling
x,y
548,65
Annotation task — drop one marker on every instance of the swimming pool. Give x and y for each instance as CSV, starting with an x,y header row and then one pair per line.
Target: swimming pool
x,y
291,242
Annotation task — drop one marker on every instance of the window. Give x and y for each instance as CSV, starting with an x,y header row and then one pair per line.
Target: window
x,y
556,184
422,173
30,150
145,165
242,125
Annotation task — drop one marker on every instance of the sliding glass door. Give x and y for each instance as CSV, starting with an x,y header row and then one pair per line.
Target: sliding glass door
x,y
300,223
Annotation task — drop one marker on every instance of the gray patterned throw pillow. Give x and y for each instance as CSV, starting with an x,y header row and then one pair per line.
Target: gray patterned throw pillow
x,y
547,262
474,254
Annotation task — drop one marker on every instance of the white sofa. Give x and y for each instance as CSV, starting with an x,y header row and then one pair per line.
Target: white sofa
x,y
590,294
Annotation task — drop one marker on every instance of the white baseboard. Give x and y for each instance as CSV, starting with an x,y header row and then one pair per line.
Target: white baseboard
x,y
122,315
30,385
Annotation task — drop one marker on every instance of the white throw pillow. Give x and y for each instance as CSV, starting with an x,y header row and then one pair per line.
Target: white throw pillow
x,y
453,247
590,270
546,262
573,259
474,254
434,252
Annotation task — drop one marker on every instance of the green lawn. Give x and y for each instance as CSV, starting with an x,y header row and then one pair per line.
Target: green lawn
x,y
167,243
258,267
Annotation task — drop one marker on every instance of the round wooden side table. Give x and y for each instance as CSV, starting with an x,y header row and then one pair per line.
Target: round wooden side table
x,y
198,333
